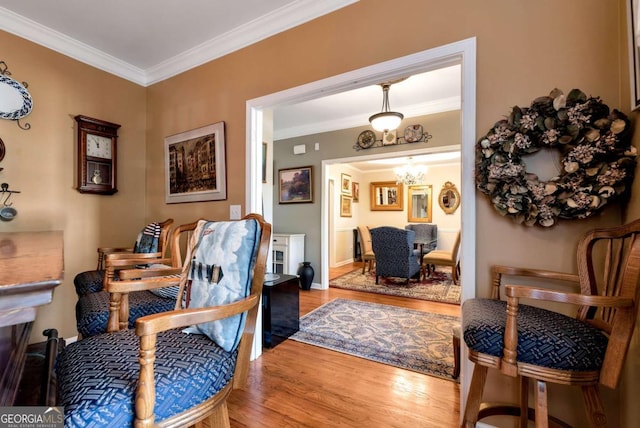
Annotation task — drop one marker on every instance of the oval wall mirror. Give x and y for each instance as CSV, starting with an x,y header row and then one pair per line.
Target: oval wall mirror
x,y
15,100
419,204
449,198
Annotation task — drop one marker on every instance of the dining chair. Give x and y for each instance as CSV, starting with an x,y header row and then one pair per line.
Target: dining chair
x,y
443,258
151,241
585,345
176,368
394,252
366,249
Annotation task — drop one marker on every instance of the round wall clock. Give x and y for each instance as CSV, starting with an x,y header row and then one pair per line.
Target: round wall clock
x,y
366,139
97,166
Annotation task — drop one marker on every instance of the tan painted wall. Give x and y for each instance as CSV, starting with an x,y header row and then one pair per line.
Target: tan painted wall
x,y
41,163
524,49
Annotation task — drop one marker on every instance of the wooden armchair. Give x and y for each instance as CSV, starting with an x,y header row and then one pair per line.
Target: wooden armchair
x,y
151,242
528,342
92,309
366,249
162,374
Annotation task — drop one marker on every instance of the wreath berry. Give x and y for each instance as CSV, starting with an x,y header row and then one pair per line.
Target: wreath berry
x,y
597,163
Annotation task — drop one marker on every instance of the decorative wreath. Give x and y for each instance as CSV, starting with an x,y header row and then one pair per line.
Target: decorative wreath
x,y
597,163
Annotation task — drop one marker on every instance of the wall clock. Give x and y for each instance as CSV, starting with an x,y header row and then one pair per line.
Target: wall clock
x,y
97,160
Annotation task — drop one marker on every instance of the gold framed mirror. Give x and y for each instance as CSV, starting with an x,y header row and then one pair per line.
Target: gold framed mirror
x,y
420,201
449,198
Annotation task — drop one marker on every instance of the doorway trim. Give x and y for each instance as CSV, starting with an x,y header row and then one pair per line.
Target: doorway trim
x,y
462,52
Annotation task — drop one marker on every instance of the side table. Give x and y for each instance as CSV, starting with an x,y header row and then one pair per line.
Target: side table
x,y
280,309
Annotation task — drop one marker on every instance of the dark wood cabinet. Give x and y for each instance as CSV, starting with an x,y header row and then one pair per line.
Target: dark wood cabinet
x,y
280,309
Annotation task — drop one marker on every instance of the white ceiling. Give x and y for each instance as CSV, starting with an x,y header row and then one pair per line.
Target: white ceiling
x,y
147,41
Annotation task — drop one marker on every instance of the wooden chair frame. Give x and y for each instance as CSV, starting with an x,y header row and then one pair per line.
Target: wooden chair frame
x,y
607,302
147,328
103,252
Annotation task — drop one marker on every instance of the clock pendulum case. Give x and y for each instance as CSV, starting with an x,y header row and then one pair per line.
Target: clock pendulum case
x,y
97,160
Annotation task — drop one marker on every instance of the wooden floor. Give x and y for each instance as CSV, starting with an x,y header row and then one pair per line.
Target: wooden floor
x,y
300,385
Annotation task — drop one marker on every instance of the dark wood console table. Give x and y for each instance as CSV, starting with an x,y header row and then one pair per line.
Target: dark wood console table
x,y
280,309
31,266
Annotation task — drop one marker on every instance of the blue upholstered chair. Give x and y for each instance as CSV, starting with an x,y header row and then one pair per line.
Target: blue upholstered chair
x,y
394,252
176,368
426,235
532,343
92,307
150,241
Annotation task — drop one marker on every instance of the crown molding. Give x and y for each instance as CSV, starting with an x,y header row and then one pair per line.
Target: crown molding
x,y
59,42
282,19
277,21
422,109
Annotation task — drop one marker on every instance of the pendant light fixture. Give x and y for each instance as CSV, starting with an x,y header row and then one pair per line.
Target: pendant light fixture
x,y
386,120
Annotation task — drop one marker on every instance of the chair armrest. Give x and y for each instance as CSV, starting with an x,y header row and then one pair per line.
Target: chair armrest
x,y
498,270
153,324
141,284
515,292
104,251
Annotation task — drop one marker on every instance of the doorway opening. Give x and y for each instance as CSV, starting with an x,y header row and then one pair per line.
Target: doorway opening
x,y
463,53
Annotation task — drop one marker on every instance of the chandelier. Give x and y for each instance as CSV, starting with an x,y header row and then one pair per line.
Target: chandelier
x,y
410,174
386,119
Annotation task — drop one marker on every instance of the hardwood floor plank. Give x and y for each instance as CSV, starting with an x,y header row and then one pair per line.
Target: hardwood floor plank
x,y
300,385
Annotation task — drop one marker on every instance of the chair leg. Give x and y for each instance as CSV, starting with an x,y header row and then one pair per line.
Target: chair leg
x,y
364,264
218,419
474,399
593,404
542,408
456,351
524,401
376,279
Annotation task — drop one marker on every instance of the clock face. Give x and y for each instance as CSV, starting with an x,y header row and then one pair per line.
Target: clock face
x,y
98,146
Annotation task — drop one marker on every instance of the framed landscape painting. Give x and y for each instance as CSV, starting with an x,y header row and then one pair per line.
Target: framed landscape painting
x,y
295,185
195,165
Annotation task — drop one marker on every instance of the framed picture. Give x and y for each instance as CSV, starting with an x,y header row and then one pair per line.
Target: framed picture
x,y
419,203
633,29
355,191
345,206
295,185
389,137
195,165
264,162
345,187
387,196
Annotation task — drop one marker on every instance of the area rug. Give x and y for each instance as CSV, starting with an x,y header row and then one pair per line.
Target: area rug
x,y
438,287
400,337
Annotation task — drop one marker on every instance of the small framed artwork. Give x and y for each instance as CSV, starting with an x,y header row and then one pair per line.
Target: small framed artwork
x,y
389,137
355,191
387,196
345,188
264,162
195,165
295,185
345,206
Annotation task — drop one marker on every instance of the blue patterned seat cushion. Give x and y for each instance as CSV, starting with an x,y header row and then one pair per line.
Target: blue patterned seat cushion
x,y
92,310
88,282
97,377
545,338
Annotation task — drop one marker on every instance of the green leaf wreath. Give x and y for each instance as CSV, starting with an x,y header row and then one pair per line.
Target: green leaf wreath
x,y
598,161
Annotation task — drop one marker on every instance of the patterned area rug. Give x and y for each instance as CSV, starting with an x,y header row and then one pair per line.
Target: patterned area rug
x,y
405,338
438,287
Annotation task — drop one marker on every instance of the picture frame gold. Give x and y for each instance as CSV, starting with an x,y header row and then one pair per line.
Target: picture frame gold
x,y
355,190
295,185
345,206
387,196
449,198
345,184
419,203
